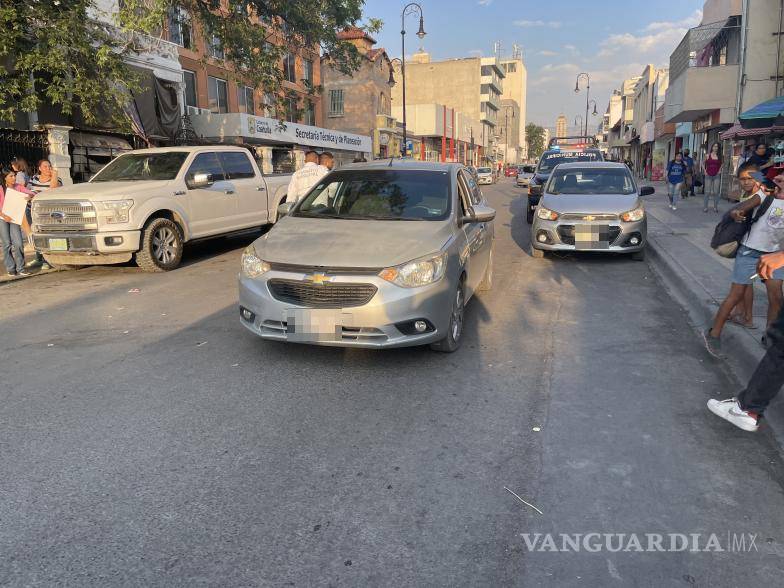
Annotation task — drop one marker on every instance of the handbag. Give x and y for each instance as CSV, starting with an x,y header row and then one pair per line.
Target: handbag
x,y
729,233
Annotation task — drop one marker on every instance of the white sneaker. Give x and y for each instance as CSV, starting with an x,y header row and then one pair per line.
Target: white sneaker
x,y
731,411
675,208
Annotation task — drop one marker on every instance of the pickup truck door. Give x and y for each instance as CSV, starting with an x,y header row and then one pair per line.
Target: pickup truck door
x,y
213,209
250,190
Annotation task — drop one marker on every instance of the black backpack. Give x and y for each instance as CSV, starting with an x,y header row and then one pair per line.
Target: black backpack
x,y
729,233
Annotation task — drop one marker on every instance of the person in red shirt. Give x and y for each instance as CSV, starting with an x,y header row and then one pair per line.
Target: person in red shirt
x,y
712,178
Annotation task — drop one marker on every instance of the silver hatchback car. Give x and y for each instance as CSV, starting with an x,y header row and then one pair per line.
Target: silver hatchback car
x,y
376,255
591,206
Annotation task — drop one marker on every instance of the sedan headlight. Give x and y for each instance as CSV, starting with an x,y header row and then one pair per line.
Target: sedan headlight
x,y
252,266
546,214
419,272
114,212
633,215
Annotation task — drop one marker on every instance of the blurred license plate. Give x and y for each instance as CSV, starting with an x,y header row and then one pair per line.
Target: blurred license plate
x,y
313,325
58,244
592,236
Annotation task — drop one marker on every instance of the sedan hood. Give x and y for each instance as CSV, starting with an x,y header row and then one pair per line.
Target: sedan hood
x,y
104,190
351,243
590,203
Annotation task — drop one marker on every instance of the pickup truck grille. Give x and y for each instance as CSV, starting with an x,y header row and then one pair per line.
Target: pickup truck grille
x,y
334,295
63,216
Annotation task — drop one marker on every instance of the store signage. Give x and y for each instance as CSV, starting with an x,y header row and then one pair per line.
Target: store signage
x,y
275,130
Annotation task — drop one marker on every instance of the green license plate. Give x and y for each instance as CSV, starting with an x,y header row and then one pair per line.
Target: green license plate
x,y
58,244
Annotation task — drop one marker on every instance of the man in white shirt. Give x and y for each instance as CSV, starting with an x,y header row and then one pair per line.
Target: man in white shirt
x,y
305,178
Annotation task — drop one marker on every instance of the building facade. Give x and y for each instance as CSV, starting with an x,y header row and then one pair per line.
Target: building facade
x,y
442,133
560,126
515,89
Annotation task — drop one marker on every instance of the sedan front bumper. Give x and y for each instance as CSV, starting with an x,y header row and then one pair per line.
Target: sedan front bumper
x,y
593,236
385,321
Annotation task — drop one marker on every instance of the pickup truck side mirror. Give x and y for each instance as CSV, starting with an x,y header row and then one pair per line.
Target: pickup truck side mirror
x,y
200,181
480,214
284,208
647,190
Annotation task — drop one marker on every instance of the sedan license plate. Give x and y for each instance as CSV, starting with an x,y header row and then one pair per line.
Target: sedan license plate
x,y
58,244
307,325
592,236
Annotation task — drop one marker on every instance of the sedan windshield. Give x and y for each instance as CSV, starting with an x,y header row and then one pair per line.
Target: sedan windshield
x,y
591,181
379,195
552,158
136,167
483,170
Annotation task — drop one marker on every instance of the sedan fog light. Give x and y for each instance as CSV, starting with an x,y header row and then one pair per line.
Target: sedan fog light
x,y
634,241
542,238
420,326
246,314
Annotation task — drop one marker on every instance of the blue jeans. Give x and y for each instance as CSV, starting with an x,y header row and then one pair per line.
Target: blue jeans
x,y
13,246
673,190
712,188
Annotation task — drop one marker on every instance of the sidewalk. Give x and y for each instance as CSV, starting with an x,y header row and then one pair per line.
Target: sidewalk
x,y
29,256
679,250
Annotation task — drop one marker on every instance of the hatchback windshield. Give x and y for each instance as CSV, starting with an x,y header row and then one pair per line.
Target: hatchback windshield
x,y
552,158
483,170
591,181
137,167
379,195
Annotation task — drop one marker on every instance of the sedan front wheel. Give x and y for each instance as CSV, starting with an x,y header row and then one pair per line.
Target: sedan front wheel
x,y
454,337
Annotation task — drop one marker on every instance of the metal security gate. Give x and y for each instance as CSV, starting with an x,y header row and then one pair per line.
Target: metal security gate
x,y
30,145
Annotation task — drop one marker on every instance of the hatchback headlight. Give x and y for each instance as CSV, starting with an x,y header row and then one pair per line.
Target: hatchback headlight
x,y
633,215
546,214
252,265
419,272
114,212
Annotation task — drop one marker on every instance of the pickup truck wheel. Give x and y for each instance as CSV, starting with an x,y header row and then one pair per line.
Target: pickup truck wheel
x,y
161,246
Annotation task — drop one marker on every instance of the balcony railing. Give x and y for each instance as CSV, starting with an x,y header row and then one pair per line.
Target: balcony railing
x,y
709,45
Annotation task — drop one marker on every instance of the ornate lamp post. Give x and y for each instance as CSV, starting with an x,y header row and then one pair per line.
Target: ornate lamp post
x,y
587,94
410,8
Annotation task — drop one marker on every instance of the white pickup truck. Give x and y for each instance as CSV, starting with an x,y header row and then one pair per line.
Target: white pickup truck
x,y
146,204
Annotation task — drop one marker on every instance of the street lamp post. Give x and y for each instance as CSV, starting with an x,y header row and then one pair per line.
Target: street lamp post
x,y
580,117
410,8
587,95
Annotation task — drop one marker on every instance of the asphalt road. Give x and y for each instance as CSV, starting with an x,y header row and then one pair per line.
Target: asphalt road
x,y
147,439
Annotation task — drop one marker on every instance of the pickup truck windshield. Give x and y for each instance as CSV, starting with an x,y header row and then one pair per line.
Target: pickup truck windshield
x,y
137,167
398,195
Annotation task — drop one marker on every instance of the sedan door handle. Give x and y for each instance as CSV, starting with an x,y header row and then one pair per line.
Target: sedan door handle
x,y
261,188
228,191
179,192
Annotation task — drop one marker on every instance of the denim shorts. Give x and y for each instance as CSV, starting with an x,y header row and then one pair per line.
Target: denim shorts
x,y
746,266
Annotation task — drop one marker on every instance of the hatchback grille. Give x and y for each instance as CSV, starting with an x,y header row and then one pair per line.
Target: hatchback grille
x,y
566,233
580,216
329,295
56,216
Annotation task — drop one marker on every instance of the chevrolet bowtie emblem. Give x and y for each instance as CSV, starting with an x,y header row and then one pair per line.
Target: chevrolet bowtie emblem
x,y
318,279
590,217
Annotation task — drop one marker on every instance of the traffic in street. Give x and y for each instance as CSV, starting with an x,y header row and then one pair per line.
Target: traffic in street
x,y
148,437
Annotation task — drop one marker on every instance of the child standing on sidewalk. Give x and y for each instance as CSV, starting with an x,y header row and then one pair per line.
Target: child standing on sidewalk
x,y
676,172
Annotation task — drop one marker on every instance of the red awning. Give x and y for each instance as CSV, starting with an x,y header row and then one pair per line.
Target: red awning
x,y
738,132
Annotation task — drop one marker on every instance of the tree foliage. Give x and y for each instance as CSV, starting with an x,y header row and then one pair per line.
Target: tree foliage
x,y
56,51
534,137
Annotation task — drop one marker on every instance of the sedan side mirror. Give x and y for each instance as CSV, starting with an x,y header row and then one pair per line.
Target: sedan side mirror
x,y
200,181
480,214
647,190
284,208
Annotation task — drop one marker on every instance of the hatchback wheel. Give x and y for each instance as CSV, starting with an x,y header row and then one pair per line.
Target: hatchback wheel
x,y
452,341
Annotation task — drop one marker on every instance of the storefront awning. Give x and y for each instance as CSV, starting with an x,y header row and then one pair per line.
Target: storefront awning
x,y
766,114
738,132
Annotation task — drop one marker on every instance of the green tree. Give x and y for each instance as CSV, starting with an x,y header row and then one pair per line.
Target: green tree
x,y
51,51
534,137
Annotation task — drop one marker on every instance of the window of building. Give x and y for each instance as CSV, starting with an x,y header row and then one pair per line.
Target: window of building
x,y
336,103
307,71
291,109
310,113
289,67
215,48
269,109
217,94
246,100
180,29
510,67
189,78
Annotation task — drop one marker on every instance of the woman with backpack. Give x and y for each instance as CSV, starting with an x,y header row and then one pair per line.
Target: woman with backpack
x,y
676,173
765,235
712,178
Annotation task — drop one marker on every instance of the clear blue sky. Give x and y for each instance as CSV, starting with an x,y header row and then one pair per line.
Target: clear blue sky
x,y
610,39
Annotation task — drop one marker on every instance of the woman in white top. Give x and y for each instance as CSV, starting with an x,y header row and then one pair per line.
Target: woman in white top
x,y
45,179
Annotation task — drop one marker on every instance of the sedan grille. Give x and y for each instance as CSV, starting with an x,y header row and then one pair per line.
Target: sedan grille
x,y
580,216
328,295
62,216
566,233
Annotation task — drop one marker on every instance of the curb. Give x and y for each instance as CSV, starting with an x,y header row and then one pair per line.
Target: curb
x,y
701,307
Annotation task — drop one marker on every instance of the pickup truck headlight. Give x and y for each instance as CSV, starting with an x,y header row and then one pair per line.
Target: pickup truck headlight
x,y
419,272
114,212
633,215
252,265
546,214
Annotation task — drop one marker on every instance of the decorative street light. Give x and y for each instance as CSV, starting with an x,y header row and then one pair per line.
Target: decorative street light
x,y
587,95
410,8
580,117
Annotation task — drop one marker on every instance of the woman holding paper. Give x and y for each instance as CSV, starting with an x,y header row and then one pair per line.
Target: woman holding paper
x,y
11,239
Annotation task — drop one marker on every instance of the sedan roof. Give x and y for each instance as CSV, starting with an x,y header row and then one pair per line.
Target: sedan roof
x,y
592,165
403,164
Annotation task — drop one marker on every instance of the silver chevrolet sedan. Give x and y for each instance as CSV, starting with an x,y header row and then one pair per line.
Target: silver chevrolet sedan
x,y
591,206
376,255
